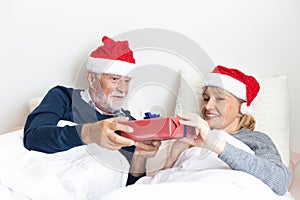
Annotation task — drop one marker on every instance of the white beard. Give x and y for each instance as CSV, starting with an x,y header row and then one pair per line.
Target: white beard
x,y
110,103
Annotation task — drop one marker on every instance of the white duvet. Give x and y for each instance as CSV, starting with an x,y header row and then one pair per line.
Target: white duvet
x,y
79,173
199,174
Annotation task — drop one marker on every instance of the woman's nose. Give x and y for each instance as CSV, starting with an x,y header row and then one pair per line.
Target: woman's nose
x,y
209,104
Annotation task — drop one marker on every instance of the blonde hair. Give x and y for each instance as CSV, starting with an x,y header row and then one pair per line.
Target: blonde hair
x,y
246,121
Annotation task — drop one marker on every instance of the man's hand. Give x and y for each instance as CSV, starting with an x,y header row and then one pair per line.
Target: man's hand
x,y
143,150
147,149
103,133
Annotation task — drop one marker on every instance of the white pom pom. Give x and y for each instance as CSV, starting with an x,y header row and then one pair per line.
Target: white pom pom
x,y
247,110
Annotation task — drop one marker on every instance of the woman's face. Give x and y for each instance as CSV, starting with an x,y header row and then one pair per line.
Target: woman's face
x,y
220,109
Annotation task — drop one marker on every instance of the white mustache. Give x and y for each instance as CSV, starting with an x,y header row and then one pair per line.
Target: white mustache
x,y
118,94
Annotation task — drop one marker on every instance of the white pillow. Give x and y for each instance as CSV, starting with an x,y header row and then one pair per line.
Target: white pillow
x,y
271,111
189,92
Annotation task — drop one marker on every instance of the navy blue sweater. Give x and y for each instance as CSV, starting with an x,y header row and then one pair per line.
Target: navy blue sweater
x,y
41,132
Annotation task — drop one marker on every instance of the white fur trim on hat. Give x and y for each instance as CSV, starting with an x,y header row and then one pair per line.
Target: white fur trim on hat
x,y
117,67
228,83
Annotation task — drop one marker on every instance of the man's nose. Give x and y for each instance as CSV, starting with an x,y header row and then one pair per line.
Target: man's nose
x,y
121,86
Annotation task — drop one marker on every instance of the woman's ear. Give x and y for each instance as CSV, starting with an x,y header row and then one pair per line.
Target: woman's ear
x,y
240,114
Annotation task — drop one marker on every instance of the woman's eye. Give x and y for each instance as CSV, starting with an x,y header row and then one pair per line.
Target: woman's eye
x,y
205,99
220,98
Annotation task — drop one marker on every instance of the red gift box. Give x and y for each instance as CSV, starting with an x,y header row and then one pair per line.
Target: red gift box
x,y
156,129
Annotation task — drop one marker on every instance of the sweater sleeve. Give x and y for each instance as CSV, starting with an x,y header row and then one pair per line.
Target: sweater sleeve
x,y
41,132
132,179
265,164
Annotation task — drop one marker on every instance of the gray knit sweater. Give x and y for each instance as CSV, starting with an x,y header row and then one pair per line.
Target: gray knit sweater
x,y
266,164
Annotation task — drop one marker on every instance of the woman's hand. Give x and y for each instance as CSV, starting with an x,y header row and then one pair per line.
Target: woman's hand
x,y
205,138
202,128
103,133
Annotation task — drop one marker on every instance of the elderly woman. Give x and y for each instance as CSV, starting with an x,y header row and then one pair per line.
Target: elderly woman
x,y
226,107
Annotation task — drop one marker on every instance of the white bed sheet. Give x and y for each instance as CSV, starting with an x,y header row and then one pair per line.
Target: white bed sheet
x,y
74,174
213,184
200,173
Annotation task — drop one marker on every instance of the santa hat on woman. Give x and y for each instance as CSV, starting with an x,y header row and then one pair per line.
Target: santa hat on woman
x,y
237,83
111,58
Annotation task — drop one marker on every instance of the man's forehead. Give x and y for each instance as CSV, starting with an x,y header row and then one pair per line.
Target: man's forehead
x,y
115,75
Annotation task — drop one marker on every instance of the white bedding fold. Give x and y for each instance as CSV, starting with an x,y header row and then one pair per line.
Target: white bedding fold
x,y
199,174
79,174
213,184
74,174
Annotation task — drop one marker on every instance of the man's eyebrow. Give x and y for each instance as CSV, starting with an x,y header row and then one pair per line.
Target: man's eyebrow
x,y
113,75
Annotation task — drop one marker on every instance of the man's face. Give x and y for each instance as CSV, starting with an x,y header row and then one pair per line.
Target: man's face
x,y
109,91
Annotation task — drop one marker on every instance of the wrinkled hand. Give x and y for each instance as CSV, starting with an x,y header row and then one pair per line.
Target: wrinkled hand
x,y
143,150
103,133
147,149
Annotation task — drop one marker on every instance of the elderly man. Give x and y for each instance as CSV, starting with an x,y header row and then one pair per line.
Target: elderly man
x,y
91,115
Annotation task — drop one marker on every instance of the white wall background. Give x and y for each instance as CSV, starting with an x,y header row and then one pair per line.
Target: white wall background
x,y
41,41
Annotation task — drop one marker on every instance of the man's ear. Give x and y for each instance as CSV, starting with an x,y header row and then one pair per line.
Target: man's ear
x,y
91,78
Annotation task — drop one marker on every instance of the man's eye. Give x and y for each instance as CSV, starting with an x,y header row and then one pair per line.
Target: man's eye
x,y
115,78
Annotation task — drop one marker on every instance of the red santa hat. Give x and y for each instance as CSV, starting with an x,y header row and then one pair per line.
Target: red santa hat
x,y
237,83
111,58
